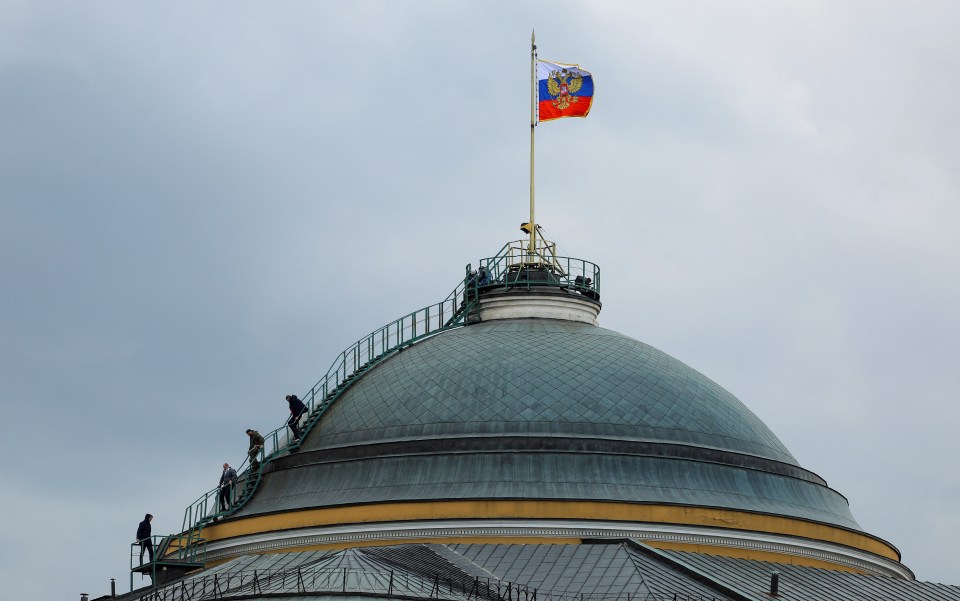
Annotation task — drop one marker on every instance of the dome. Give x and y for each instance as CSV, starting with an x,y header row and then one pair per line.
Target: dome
x,y
532,423
548,378
534,408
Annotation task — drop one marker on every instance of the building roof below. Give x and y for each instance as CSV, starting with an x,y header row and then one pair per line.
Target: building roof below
x,y
622,570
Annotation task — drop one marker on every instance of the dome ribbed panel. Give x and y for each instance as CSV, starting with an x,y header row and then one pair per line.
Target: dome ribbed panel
x,y
547,378
539,409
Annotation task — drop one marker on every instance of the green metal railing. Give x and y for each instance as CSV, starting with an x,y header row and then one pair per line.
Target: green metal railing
x,y
167,551
513,266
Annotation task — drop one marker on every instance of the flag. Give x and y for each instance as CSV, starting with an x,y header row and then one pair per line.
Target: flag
x,y
563,91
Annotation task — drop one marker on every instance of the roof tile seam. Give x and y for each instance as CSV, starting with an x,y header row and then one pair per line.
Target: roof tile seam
x,y
638,547
557,451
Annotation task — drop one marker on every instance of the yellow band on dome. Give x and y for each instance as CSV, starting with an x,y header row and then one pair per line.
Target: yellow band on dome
x,y
551,510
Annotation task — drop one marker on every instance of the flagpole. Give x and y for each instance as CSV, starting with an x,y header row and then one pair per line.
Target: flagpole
x,y
533,124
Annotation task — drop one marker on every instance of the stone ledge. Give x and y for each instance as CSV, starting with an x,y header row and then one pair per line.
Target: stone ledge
x,y
551,305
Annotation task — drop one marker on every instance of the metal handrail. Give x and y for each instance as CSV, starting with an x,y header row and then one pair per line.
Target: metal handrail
x,y
394,584
517,267
167,550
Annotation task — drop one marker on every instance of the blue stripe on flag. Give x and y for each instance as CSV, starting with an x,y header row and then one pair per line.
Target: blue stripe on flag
x,y
585,90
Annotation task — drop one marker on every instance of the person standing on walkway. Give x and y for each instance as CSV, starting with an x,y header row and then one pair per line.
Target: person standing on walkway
x,y
143,537
256,445
297,408
227,479
483,276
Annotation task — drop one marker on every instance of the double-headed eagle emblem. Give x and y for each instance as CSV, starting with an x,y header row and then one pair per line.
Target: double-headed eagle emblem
x,y
561,84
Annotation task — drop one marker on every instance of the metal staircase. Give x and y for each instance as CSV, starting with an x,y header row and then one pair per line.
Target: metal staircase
x,y
515,266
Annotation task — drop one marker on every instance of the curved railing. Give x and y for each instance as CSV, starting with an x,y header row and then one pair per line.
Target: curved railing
x,y
514,266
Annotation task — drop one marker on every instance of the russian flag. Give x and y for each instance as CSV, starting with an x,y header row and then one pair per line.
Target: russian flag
x,y
563,91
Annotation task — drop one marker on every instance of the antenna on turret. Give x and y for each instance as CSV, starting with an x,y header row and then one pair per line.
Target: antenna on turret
x,y
531,225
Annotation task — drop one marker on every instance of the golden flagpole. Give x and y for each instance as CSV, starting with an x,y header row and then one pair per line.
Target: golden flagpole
x,y
533,124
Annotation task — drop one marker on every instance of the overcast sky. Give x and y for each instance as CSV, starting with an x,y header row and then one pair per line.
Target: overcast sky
x,y
202,204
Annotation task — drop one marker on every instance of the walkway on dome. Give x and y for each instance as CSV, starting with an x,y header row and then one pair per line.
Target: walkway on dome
x,y
513,267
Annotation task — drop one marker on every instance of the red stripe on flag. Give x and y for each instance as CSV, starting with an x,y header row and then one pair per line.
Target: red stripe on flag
x,y
579,109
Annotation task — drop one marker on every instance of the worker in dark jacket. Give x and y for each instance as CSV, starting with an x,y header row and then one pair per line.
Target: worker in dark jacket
x,y
227,479
297,408
256,445
143,537
483,276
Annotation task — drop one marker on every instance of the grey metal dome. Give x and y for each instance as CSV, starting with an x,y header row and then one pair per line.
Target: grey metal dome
x,y
545,378
544,409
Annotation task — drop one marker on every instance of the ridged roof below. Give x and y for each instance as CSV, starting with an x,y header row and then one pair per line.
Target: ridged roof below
x,y
800,583
620,571
615,572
